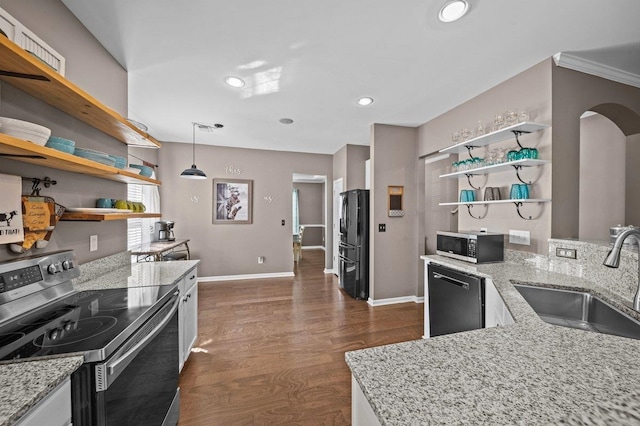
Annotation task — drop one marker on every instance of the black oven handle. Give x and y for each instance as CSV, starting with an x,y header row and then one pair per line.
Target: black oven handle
x,y
115,367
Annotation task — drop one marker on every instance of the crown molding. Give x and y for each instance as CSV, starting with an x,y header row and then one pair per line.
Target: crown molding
x,y
576,63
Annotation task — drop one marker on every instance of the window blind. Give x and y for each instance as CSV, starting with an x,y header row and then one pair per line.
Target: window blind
x,y
134,226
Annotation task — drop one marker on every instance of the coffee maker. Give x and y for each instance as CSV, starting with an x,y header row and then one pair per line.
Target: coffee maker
x,y
164,231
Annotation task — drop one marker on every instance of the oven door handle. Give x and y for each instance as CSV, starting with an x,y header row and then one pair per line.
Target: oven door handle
x,y
117,366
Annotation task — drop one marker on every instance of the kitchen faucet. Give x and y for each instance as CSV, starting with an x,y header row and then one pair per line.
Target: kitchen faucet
x,y
613,258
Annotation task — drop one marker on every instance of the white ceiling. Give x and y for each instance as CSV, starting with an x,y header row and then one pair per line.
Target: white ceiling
x,y
310,60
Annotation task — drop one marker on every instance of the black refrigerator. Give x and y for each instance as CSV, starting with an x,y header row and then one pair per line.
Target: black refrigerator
x,y
354,243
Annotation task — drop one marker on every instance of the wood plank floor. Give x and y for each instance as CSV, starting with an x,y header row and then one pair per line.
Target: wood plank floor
x,y
271,351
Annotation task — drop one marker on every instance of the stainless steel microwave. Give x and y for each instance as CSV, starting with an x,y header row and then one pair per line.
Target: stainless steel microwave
x,y
471,246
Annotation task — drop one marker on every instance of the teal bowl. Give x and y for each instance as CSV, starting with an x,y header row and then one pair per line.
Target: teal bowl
x,y
69,149
144,170
121,162
60,141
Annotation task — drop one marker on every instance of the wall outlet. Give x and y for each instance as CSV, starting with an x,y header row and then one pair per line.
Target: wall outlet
x,y
565,252
519,237
260,259
93,243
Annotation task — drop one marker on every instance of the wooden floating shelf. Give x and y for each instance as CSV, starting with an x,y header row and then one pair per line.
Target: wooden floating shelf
x,y
494,137
28,152
52,88
94,217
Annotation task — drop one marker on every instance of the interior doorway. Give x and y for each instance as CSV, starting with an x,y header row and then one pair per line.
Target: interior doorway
x,y
310,211
337,214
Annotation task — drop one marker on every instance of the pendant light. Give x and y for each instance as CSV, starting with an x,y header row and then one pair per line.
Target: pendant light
x,y
193,172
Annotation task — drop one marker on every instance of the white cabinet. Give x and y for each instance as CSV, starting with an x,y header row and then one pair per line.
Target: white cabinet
x,y
53,410
188,314
361,412
496,312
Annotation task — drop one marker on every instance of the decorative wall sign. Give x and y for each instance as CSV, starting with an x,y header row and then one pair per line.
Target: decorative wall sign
x,y
232,201
232,170
394,204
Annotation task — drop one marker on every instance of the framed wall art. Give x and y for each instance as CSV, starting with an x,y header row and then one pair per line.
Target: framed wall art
x,y
232,201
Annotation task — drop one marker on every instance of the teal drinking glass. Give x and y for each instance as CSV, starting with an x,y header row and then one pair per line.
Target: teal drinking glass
x,y
515,193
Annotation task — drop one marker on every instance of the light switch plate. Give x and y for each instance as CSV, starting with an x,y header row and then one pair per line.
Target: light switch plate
x,y
519,237
93,243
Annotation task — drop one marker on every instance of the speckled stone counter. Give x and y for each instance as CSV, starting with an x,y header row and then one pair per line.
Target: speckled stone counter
x,y
139,275
24,384
526,373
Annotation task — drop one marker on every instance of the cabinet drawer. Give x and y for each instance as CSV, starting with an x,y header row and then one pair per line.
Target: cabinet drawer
x,y
189,281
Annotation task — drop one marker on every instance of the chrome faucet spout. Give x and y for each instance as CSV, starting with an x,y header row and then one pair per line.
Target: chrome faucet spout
x,y
613,258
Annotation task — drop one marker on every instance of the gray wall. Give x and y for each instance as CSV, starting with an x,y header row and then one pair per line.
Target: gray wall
x,y
573,94
349,164
602,177
632,179
92,69
230,249
394,254
531,91
311,209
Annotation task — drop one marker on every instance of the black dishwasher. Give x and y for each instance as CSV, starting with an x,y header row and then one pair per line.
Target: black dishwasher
x,y
456,301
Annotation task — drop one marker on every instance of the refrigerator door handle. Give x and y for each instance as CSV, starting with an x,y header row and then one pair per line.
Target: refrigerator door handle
x,y
347,260
451,280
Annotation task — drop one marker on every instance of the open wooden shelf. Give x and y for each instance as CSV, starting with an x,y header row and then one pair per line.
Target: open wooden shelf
x,y
507,201
28,152
50,87
94,217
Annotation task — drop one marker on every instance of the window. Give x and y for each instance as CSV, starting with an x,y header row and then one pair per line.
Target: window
x,y
134,226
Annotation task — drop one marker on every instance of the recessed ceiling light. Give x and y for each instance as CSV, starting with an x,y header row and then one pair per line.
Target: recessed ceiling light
x,y
453,10
364,101
286,121
234,81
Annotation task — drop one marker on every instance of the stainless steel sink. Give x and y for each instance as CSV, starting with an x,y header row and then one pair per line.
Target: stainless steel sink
x,y
581,310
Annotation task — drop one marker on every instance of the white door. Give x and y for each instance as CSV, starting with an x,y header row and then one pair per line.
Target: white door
x,y
337,212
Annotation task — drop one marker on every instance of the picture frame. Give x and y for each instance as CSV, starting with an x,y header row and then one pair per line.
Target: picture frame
x,y
232,201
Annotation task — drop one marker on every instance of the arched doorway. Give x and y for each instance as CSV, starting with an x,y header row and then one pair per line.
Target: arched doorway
x,y
609,154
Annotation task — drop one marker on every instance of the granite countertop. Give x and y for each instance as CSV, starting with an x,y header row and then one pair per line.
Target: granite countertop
x,y
25,383
529,372
139,275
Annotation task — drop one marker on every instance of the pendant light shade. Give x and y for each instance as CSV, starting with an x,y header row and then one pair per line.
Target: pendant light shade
x,y
193,172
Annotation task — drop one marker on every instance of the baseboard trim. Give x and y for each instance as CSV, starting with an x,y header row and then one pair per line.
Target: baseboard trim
x,y
313,248
330,271
395,300
245,277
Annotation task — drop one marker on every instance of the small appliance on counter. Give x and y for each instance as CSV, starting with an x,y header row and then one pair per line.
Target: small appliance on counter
x,y
471,246
163,231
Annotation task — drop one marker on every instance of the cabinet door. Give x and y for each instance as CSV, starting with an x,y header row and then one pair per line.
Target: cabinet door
x,y
54,409
190,321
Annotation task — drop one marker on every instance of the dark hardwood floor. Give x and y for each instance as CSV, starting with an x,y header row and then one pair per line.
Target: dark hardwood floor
x,y
271,351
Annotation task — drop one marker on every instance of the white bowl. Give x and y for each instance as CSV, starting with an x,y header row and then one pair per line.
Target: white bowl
x,y
25,130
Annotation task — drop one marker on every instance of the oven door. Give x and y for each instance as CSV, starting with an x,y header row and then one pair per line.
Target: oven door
x,y
138,384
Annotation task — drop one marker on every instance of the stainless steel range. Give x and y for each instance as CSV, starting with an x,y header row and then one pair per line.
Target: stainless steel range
x,y
128,336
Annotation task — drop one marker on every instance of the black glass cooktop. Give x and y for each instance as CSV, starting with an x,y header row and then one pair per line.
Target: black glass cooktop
x,y
87,321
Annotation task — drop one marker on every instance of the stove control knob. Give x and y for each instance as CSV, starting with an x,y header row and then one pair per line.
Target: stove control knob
x,y
53,268
67,326
67,264
55,333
